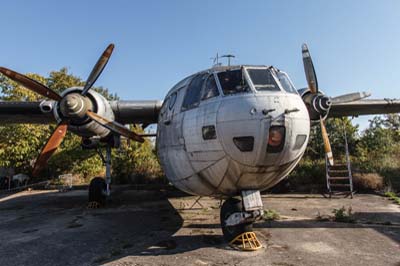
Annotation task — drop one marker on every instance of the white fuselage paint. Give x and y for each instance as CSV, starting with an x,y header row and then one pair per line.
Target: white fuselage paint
x,y
217,167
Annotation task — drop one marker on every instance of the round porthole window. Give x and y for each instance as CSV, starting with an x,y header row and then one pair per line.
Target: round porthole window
x,y
172,100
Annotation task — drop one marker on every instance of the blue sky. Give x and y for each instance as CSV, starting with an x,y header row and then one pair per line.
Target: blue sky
x,y
355,44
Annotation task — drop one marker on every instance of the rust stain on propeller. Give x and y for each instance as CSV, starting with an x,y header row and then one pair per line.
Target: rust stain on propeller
x,y
50,147
98,68
115,126
31,84
327,144
309,70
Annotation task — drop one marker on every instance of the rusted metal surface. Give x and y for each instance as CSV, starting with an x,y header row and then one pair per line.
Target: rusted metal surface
x,y
31,84
327,144
98,68
115,127
50,147
309,70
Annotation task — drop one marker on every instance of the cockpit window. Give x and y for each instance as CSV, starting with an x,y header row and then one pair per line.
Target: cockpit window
x,y
263,79
210,89
193,92
233,81
286,83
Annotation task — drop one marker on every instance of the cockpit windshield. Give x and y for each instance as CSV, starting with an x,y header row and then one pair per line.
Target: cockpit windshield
x,y
262,79
233,81
286,83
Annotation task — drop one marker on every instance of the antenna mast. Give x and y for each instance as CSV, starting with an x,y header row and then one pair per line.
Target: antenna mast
x,y
229,56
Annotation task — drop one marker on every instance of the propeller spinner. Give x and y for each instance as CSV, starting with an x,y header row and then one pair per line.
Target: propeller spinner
x,y
72,106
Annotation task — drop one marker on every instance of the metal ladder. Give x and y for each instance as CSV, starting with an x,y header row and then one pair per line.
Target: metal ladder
x,y
339,179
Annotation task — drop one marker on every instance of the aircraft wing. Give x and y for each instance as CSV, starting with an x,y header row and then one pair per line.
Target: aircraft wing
x,y
125,112
365,107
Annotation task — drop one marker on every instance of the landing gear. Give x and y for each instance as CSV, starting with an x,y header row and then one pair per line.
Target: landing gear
x,y
99,188
237,218
97,192
230,207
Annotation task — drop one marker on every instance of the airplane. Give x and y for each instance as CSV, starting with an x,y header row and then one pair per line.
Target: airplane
x,y
227,132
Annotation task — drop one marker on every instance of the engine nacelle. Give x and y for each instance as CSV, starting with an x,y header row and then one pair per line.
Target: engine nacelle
x,y
318,105
86,127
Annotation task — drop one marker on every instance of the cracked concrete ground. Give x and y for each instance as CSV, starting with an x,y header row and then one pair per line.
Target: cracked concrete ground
x,y
158,228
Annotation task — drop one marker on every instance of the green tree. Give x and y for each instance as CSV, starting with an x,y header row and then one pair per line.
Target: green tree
x,y
137,163
379,144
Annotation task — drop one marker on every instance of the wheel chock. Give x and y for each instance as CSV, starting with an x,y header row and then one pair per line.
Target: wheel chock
x,y
246,242
93,205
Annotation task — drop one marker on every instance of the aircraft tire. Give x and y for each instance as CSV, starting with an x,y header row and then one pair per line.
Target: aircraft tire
x,y
230,206
96,188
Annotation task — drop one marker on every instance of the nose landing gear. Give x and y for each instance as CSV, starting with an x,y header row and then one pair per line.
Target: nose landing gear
x,y
237,218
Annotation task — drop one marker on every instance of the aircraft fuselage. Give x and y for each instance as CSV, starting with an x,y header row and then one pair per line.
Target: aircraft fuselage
x,y
246,129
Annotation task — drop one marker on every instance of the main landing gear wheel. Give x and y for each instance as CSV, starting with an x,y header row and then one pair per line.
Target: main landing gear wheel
x,y
237,222
229,207
97,195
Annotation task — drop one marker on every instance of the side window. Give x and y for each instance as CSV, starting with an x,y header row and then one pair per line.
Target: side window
x,y
172,100
211,89
286,83
193,92
164,108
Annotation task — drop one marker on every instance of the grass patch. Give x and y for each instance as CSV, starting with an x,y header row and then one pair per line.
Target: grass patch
x,y
393,196
271,215
343,215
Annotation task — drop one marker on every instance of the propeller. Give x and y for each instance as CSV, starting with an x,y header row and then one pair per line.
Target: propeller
x,y
115,127
321,103
31,84
72,106
313,87
98,68
309,70
51,146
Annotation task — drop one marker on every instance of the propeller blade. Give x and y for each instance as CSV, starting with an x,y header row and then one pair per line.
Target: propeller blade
x,y
50,147
327,144
309,69
114,126
351,97
31,84
98,68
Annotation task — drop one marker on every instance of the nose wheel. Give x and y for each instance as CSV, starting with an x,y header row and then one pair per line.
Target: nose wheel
x,y
237,218
230,207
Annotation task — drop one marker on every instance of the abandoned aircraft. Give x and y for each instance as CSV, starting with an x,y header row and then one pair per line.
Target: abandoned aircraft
x,y
227,132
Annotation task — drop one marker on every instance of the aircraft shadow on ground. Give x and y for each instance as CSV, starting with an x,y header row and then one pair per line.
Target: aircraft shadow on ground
x,y
57,229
